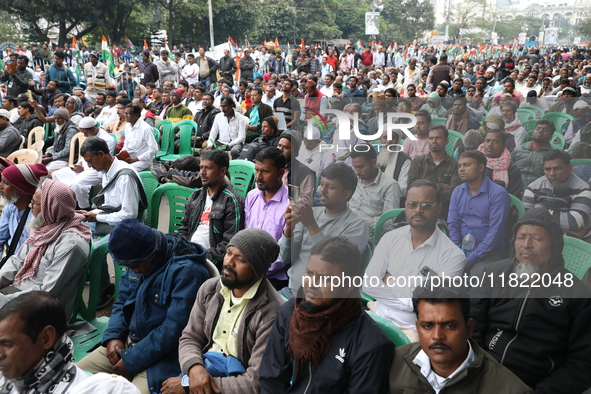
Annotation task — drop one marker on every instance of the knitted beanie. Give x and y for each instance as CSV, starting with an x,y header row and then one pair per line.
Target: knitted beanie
x,y
296,141
62,113
178,92
132,242
25,177
259,248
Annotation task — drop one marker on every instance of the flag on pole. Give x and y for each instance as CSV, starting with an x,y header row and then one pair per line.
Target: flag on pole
x,y
302,45
77,57
359,45
145,44
231,47
166,45
107,57
129,44
276,43
389,50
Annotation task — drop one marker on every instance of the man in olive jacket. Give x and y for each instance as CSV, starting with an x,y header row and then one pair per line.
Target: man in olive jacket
x,y
446,359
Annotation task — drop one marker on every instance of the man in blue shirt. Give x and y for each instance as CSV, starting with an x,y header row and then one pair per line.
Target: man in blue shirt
x,y
354,90
61,73
482,206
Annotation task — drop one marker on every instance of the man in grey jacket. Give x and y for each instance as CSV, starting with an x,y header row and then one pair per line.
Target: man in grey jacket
x,y
231,317
10,138
167,69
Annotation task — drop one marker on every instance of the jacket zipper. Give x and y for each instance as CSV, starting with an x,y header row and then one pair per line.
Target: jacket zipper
x,y
516,326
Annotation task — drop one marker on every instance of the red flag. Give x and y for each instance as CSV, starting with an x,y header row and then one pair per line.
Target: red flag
x,y
302,45
145,44
276,43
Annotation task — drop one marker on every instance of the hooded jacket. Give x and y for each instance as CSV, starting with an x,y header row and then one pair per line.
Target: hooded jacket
x,y
438,111
540,333
158,307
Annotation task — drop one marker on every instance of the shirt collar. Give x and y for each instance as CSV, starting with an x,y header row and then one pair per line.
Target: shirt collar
x,y
422,360
278,196
431,241
249,295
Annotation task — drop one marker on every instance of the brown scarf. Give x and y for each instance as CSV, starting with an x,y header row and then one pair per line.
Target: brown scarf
x,y
458,123
310,333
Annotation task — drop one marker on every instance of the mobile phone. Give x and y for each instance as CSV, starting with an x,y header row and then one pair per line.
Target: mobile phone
x,y
427,272
294,193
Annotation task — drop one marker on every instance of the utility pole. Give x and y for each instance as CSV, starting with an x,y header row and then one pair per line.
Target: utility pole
x,y
210,24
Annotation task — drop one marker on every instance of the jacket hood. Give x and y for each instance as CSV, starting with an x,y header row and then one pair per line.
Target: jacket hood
x,y
541,217
180,247
434,98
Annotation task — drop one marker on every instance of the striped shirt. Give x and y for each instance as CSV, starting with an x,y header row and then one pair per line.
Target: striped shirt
x,y
578,216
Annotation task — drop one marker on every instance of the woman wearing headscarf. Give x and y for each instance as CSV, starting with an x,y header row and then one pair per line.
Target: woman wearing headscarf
x,y
496,122
74,107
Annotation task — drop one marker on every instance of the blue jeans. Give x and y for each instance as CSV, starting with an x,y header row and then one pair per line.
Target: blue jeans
x,y
206,82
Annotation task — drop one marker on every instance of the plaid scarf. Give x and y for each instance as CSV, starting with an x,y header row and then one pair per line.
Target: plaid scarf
x,y
58,202
310,333
458,123
499,165
53,373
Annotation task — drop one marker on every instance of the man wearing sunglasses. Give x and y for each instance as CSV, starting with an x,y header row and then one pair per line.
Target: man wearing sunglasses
x,y
415,251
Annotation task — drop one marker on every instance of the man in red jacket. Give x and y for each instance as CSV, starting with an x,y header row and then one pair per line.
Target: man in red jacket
x,y
367,61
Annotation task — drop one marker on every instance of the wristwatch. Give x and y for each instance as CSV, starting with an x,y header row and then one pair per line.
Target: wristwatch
x,y
185,383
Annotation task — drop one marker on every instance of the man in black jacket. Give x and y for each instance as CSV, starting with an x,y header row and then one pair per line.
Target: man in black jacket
x,y
150,70
334,346
536,322
227,66
214,213
269,137
204,119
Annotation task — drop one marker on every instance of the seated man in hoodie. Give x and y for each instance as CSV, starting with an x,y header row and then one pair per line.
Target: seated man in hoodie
x,y
58,155
164,272
324,333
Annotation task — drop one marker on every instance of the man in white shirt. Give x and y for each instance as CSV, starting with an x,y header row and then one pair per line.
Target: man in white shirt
x,y
190,72
80,177
410,251
197,105
327,89
228,130
379,57
271,95
140,143
109,112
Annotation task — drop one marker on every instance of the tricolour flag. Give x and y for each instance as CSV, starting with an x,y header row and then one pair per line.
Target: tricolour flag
x,y
145,44
107,57
130,44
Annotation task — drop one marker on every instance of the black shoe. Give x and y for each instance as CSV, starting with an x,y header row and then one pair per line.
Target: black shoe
x,y
107,296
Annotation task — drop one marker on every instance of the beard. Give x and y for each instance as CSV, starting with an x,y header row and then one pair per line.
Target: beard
x,y
384,157
37,223
58,128
5,201
235,282
528,269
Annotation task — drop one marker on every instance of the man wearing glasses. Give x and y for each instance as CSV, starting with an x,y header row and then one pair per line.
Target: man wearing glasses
x,y
415,251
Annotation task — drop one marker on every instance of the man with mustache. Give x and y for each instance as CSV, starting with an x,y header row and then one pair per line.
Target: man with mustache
x,y
231,321
214,213
540,333
447,359
323,338
409,250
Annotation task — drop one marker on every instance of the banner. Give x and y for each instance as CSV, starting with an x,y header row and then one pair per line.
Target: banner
x,y
551,36
521,38
372,23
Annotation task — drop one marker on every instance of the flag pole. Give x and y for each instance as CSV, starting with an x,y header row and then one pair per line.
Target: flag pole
x,y
210,24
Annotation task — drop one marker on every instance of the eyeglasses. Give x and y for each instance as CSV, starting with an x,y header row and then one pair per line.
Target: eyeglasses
x,y
425,206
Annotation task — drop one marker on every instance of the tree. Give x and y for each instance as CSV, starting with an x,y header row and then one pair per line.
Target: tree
x,y
405,21
584,27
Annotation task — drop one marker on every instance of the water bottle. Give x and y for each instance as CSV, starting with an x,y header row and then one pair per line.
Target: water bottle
x,y
468,243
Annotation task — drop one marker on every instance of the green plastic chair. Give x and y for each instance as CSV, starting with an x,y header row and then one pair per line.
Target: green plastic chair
x,y
177,198
536,110
49,133
188,128
242,175
560,120
156,135
530,125
167,143
438,121
515,202
558,141
454,136
391,330
150,185
366,256
365,298
85,344
524,114
580,161
377,231
577,256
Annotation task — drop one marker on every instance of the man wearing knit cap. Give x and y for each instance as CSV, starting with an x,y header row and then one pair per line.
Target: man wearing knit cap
x,y
19,183
54,256
80,177
178,111
164,272
232,316
58,155
10,138
540,333
296,172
